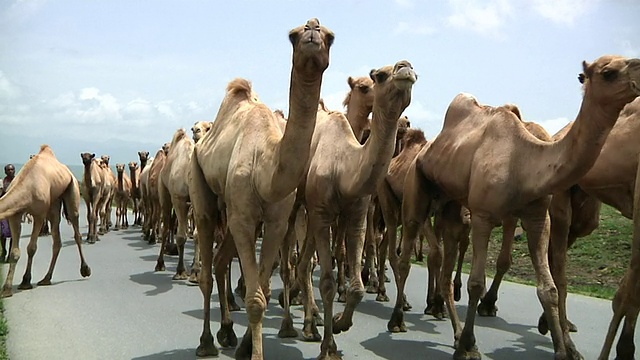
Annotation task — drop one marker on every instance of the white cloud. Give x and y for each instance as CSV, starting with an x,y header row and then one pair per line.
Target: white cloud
x,y
8,89
563,11
404,3
415,29
486,18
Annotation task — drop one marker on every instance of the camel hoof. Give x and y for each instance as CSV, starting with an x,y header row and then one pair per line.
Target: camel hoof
x,y
472,354
6,292
543,327
437,312
287,330
243,352
206,347
294,301
310,332
396,323
342,297
330,356
193,278
572,326
382,298
406,306
160,267
281,299
457,292
25,286
318,320
85,270
386,279
44,282
233,306
180,276
487,309
226,336
340,324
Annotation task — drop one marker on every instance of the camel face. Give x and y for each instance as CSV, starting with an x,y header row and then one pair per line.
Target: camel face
x,y
86,158
133,166
120,168
105,159
199,129
403,125
165,148
308,41
398,78
612,79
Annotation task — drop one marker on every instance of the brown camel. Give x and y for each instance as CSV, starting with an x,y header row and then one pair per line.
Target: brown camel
x,y
144,161
173,187
134,176
153,220
122,197
480,171
110,184
341,177
247,149
94,193
43,188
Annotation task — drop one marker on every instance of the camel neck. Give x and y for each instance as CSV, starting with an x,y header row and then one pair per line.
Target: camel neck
x,y
358,117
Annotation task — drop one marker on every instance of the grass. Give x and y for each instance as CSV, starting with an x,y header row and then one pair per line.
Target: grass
x,y
4,330
596,262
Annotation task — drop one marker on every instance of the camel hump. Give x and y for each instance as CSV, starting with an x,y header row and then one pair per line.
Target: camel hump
x,y
514,109
179,135
414,136
44,148
241,88
460,108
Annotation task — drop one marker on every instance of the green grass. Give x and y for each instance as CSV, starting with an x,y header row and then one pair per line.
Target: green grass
x,y
4,330
596,263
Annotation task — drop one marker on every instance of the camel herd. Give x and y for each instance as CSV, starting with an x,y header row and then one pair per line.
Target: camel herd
x,y
334,187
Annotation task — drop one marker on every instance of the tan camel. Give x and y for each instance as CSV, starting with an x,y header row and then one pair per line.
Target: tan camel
x,y
341,177
94,193
153,221
43,188
173,187
246,149
110,184
467,170
122,197
134,176
144,161
199,129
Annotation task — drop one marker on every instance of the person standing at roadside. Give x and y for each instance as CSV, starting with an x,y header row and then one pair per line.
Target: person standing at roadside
x,y
5,232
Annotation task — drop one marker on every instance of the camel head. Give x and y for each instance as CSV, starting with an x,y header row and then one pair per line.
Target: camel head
x,y
398,79
611,80
199,129
120,168
133,166
105,159
403,125
361,93
87,158
165,148
144,156
311,43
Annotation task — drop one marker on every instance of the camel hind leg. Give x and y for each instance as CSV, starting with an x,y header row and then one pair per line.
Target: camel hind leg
x,y
38,220
54,217
14,255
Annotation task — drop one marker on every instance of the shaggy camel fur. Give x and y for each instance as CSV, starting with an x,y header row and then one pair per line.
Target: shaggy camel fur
x,y
134,176
122,197
94,192
466,170
247,149
341,177
152,220
174,194
43,188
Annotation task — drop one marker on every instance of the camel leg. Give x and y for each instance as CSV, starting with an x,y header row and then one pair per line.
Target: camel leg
x,y
354,239
222,261
71,201
414,215
165,214
487,306
537,224
31,251
195,265
286,328
303,277
320,231
16,227
463,245
340,256
369,272
388,242
435,302
181,209
419,248
54,217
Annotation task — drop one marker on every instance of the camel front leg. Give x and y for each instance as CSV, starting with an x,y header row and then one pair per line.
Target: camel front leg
x,y
435,302
354,241
15,225
54,217
286,328
537,224
370,276
222,261
181,209
340,250
71,202
487,306
31,251
303,277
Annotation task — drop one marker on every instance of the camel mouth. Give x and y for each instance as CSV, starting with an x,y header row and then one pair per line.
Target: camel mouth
x,y
635,87
405,78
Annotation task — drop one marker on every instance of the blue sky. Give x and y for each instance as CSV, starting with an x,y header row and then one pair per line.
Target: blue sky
x,y
115,77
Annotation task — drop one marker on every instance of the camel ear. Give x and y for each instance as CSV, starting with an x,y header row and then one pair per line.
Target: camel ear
x,y
587,71
378,76
351,82
294,35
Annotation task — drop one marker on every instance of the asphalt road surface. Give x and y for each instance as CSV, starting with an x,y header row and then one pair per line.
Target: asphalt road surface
x,y
125,310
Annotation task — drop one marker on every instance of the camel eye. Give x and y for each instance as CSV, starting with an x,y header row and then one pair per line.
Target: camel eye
x,y
609,75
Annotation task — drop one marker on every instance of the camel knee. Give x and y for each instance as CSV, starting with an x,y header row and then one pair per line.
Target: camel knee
x,y
256,306
327,286
503,264
475,287
548,295
15,255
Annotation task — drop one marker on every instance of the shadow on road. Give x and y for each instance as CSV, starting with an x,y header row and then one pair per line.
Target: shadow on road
x,y
178,354
387,347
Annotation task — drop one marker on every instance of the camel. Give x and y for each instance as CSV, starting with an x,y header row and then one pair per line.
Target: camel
x,y
173,187
479,171
246,148
134,176
199,129
110,184
122,197
94,193
137,195
43,188
341,177
152,218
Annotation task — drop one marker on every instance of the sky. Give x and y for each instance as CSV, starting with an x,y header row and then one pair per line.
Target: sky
x,y
117,77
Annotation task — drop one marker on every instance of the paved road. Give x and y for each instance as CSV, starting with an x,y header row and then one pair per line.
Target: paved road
x,y
125,310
